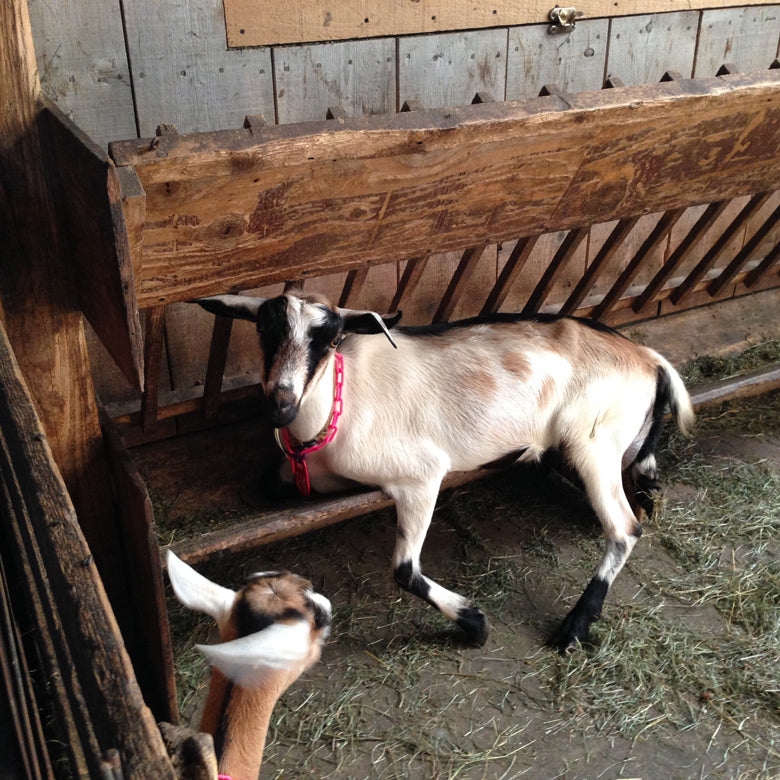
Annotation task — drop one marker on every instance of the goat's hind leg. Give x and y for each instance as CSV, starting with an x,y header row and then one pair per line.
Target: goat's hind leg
x,y
414,506
622,530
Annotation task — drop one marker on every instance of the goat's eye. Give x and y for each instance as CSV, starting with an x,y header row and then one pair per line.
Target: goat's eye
x,y
335,342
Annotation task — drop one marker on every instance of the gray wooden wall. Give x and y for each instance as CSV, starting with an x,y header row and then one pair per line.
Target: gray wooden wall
x,y
119,70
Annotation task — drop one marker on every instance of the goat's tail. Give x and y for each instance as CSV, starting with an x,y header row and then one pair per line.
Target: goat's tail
x,y
677,398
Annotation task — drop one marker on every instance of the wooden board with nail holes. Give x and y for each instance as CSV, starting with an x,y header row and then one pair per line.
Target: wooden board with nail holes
x,y
267,22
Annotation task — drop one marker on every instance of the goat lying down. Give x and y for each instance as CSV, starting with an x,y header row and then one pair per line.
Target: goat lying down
x,y
428,400
271,631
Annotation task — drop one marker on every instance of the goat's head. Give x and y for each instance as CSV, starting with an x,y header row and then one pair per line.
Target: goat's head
x,y
276,621
272,630
297,334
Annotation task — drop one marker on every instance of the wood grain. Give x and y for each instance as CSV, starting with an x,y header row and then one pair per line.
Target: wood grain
x,y
400,187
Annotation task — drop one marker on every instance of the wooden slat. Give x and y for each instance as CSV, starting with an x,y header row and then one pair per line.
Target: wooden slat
x,y
437,181
149,645
693,237
353,284
657,236
742,257
458,283
267,22
99,244
220,341
712,255
605,254
509,273
134,206
155,332
554,269
409,280
769,260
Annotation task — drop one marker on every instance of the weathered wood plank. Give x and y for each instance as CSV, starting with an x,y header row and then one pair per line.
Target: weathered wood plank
x,y
83,65
155,333
220,340
643,48
149,645
575,62
747,37
183,73
448,70
99,243
408,282
438,180
264,22
359,76
728,274
556,267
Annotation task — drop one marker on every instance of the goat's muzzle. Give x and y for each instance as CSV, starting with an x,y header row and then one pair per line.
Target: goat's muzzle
x,y
283,407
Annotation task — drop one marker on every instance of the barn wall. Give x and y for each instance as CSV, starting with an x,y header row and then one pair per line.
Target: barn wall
x,y
120,69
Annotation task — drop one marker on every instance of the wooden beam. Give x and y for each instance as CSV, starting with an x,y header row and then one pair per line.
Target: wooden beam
x,y
220,341
155,334
101,257
410,278
422,182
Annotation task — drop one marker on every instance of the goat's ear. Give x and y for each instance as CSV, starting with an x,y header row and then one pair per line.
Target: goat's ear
x,y
369,322
239,307
198,593
246,660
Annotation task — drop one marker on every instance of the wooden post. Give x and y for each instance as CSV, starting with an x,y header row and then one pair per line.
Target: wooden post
x,y
40,307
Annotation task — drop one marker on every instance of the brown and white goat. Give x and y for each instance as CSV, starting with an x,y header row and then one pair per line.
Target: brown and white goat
x,y
271,631
456,396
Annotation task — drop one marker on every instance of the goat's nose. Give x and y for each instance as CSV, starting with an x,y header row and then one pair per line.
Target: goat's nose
x,y
284,407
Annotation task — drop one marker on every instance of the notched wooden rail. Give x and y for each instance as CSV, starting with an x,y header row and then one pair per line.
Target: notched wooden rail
x,y
235,209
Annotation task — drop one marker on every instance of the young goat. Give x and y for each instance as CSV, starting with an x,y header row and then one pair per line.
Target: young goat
x,y
457,396
272,631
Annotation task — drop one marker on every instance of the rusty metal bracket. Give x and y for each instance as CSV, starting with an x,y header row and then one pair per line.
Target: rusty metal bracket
x,y
563,19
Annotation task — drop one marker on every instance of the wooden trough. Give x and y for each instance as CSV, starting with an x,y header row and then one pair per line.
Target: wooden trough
x,y
673,189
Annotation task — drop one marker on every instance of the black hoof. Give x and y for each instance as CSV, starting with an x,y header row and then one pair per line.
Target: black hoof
x,y
475,623
572,633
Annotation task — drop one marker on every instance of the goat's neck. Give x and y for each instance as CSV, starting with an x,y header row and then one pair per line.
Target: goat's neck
x,y
239,719
317,403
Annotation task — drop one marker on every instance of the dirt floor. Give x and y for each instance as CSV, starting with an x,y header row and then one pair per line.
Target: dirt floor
x,y
682,679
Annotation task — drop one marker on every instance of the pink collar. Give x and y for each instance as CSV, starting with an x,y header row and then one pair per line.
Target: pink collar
x,y
224,777
297,452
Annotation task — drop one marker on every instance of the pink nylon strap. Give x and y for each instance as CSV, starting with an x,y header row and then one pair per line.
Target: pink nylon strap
x,y
296,453
224,777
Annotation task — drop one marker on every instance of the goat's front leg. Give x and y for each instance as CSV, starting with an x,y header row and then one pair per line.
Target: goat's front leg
x,y
414,506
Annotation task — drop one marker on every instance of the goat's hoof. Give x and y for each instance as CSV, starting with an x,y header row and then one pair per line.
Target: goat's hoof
x,y
475,623
570,636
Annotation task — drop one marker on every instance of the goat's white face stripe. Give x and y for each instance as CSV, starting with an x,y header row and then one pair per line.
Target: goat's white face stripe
x,y
290,367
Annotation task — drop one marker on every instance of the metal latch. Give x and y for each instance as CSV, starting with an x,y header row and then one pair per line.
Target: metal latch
x,y
563,19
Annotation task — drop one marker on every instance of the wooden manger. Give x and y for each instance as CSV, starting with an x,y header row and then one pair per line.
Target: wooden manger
x,y
625,204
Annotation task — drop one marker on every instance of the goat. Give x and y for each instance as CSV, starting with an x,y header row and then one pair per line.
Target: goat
x,y
271,631
453,397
